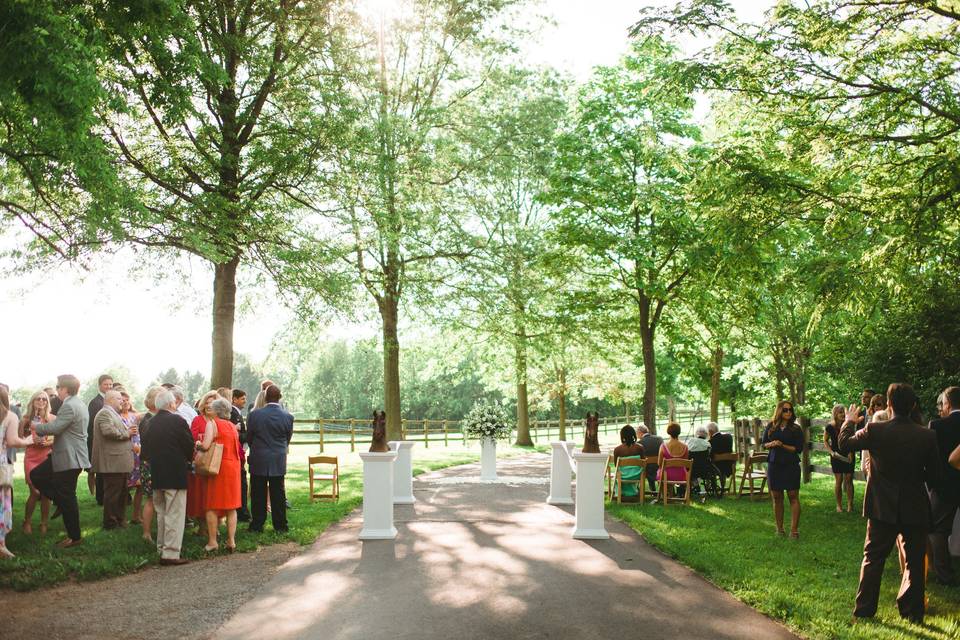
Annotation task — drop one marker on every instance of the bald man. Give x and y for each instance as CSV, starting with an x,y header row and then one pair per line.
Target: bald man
x,y
112,458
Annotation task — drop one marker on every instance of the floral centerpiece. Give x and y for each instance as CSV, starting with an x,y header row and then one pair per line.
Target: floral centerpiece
x,y
488,420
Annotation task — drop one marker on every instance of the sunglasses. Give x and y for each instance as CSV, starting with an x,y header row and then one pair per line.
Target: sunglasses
x,y
788,409
42,400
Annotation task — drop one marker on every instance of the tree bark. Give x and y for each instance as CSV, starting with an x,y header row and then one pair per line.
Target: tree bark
x,y
391,366
717,365
523,406
562,403
224,315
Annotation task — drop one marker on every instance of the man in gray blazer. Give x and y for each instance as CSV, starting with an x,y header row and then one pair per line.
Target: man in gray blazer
x,y
56,477
112,458
269,431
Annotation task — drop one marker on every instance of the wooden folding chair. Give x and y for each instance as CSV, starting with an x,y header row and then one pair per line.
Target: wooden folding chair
x,y
651,494
751,474
333,477
620,481
730,483
665,484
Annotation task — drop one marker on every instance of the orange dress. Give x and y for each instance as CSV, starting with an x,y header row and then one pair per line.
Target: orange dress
x,y
197,485
223,489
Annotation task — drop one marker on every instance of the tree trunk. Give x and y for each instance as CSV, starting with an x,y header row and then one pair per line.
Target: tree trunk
x,y
717,364
649,368
224,314
562,402
391,367
523,407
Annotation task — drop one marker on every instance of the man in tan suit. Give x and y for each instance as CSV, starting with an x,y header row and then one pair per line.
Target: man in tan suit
x,y
112,458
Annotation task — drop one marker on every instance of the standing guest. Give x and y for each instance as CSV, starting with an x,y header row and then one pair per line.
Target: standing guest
x,y
783,439
672,448
168,447
261,400
239,399
197,484
113,458
225,392
877,403
945,498
269,431
38,412
104,384
840,464
720,443
52,399
56,477
629,448
183,407
146,480
903,455
650,443
131,418
223,489
9,438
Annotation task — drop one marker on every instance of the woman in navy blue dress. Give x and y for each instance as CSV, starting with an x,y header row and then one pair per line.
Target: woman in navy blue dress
x,y
783,439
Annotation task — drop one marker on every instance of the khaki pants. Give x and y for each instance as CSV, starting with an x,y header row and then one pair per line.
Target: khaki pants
x,y
171,507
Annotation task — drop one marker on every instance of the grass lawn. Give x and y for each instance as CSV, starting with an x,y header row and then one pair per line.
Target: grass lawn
x,y
809,584
39,563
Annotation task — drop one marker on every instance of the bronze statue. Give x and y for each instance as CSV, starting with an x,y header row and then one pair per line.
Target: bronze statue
x,y
591,438
379,442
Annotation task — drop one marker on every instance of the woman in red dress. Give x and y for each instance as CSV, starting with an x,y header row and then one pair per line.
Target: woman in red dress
x,y
223,489
197,485
38,412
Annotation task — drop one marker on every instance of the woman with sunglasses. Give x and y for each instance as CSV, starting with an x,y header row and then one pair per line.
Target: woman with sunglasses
x,y
37,413
783,439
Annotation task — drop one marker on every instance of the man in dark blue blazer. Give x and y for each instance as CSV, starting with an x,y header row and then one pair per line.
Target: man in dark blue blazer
x,y
945,498
269,431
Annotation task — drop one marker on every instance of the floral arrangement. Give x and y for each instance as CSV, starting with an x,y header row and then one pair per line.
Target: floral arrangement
x,y
488,420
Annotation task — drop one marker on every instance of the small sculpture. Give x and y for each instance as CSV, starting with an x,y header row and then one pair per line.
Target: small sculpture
x,y
379,442
591,438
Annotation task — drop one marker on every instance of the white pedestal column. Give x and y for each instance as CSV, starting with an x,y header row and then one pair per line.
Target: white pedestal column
x,y
589,502
561,474
403,472
488,460
378,495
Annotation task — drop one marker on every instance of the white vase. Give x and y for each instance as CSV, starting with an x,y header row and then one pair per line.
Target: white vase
x,y
488,460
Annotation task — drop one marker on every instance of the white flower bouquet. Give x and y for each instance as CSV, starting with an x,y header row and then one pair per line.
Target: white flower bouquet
x,y
488,420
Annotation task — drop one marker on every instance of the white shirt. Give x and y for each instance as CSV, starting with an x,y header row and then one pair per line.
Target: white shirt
x,y
187,412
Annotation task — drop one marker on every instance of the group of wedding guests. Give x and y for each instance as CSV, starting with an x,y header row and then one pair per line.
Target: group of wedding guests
x,y
151,455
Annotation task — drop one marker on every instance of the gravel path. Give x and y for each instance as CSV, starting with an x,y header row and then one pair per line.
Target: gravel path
x,y
190,601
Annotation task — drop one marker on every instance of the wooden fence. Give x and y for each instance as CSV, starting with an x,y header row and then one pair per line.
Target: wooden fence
x,y
323,432
748,433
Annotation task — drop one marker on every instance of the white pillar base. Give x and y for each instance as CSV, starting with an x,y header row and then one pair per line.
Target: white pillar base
x,y
591,468
561,474
488,460
378,495
403,472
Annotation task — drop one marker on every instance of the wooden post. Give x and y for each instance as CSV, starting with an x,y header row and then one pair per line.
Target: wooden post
x,y
805,456
353,435
321,435
403,429
446,434
426,434
757,435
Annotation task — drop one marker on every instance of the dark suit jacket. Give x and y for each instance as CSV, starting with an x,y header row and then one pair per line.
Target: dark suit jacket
x,y
168,446
948,439
236,417
93,408
903,456
722,443
269,431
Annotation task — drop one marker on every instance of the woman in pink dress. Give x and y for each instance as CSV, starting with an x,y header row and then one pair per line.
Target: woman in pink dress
x,y
37,412
131,418
672,448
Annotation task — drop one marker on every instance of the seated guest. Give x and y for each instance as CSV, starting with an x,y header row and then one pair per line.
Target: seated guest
x,y
671,449
168,447
269,431
720,443
699,442
112,458
629,448
222,494
651,444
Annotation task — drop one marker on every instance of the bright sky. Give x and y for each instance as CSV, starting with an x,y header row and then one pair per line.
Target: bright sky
x,y
85,321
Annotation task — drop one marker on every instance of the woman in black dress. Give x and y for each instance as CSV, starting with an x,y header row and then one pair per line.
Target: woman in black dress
x,y
783,439
841,465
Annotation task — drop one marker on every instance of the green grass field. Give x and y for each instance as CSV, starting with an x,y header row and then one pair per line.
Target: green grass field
x,y
809,583
39,563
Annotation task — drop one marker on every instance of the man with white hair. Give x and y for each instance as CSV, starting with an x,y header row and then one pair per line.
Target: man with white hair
x,y
185,410
112,458
168,446
699,442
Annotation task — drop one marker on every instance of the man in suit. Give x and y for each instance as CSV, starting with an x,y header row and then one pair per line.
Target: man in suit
x,y
168,446
56,477
239,398
721,443
269,431
651,446
112,458
903,456
104,384
945,499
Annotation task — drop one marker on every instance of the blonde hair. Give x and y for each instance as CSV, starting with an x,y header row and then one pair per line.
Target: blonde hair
x,y
29,414
201,406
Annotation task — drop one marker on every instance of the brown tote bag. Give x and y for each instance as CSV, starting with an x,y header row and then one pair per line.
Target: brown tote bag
x,y
207,463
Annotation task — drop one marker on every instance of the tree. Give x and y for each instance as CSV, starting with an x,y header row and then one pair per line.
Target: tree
x,y
619,187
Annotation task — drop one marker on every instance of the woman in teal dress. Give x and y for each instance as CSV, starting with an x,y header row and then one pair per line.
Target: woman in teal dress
x,y
629,448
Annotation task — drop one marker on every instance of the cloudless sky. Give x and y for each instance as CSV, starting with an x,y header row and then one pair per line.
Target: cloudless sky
x,y
84,321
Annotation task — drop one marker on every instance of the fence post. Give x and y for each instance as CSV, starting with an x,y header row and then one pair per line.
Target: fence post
x,y
353,434
426,434
446,435
757,430
321,434
805,456
403,428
